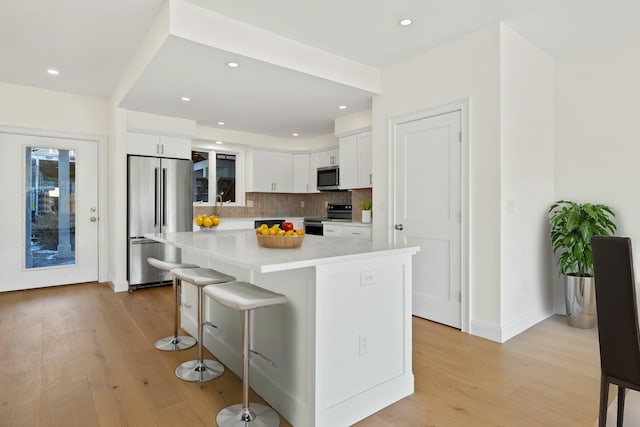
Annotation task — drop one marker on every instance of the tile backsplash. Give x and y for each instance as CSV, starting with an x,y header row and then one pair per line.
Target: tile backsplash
x,y
289,204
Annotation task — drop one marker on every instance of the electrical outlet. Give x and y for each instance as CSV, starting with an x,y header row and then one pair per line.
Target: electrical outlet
x,y
249,203
363,344
302,203
367,278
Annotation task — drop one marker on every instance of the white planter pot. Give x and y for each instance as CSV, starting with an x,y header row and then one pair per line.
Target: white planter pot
x,y
366,217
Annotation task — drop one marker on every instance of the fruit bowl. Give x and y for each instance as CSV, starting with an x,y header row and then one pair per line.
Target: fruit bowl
x,y
279,242
207,222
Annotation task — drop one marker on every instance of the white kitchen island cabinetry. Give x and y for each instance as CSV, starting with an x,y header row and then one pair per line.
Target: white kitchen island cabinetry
x,y
269,172
341,345
145,144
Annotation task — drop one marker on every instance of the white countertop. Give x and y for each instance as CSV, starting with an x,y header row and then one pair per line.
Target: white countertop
x,y
240,247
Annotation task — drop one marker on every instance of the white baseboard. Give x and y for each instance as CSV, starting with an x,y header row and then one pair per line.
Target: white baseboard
x,y
119,285
501,334
485,330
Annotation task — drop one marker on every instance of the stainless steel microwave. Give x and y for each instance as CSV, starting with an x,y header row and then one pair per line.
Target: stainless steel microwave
x,y
329,178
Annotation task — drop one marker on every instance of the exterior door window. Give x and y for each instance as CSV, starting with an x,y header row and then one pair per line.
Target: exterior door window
x,y
50,207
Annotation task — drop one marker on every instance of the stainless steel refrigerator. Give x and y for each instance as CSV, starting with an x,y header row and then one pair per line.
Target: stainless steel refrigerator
x,y
159,200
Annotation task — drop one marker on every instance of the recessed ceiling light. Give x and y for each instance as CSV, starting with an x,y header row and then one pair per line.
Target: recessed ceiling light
x,y
219,142
220,123
185,99
295,134
342,107
233,64
53,71
405,22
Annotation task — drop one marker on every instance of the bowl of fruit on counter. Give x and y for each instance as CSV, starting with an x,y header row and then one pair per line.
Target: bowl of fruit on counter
x,y
207,222
279,236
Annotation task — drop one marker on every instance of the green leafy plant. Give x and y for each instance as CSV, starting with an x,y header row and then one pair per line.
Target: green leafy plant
x,y
572,225
366,205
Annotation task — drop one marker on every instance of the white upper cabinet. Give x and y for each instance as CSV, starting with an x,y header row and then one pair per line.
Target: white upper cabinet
x,y
329,158
301,173
157,145
365,160
270,172
355,161
314,164
348,162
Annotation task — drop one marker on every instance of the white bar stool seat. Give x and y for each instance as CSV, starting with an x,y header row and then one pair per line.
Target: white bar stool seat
x,y
200,370
175,342
245,297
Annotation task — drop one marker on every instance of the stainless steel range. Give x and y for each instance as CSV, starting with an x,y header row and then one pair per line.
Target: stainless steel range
x,y
335,212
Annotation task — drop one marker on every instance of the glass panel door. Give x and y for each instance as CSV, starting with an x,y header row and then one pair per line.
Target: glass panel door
x,y
50,194
50,217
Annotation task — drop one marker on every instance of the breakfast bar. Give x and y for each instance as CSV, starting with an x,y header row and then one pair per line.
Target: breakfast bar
x,y
340,349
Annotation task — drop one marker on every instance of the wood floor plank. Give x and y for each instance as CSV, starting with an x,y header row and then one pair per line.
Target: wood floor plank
x,y
83,355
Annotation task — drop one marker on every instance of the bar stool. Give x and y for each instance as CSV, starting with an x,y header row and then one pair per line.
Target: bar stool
x,y
175,342
200,370
245,297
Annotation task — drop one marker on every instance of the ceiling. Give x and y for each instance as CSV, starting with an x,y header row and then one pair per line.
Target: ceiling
x,y
91,43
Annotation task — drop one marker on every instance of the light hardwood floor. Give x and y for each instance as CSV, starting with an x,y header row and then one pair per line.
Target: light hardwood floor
x,y
81,355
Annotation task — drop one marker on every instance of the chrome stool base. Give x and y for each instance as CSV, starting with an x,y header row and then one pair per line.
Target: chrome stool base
x,y
175,343
257,416
196,371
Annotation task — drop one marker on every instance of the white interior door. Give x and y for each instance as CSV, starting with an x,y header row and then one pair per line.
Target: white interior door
x,y
428,212
50,215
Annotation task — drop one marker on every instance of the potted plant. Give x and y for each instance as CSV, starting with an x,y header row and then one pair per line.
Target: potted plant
x,y
572,225
366,211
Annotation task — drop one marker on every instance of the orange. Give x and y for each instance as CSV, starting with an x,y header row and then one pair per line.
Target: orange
x,y
216,221
198,221
300,232
265,231
207,222
273,231
289,233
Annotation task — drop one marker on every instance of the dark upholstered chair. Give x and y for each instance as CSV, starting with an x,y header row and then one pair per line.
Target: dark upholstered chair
x,y
617,319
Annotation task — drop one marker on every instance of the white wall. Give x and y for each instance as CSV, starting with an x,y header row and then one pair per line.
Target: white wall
x,y
34,108
467,68
597,128
352,123
527,175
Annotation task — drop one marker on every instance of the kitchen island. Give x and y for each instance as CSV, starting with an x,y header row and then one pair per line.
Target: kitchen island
x,y
340,347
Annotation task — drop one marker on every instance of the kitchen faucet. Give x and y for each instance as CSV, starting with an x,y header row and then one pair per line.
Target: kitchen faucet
x,y
219,199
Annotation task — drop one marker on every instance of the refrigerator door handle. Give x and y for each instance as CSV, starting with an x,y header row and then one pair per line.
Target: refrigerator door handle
x,y
155,197
164,197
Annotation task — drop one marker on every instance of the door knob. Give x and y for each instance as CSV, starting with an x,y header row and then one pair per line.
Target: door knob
x,y
399,227
93,219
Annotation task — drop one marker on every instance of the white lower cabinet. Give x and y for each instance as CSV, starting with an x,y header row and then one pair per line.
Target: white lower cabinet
x,y
347,230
